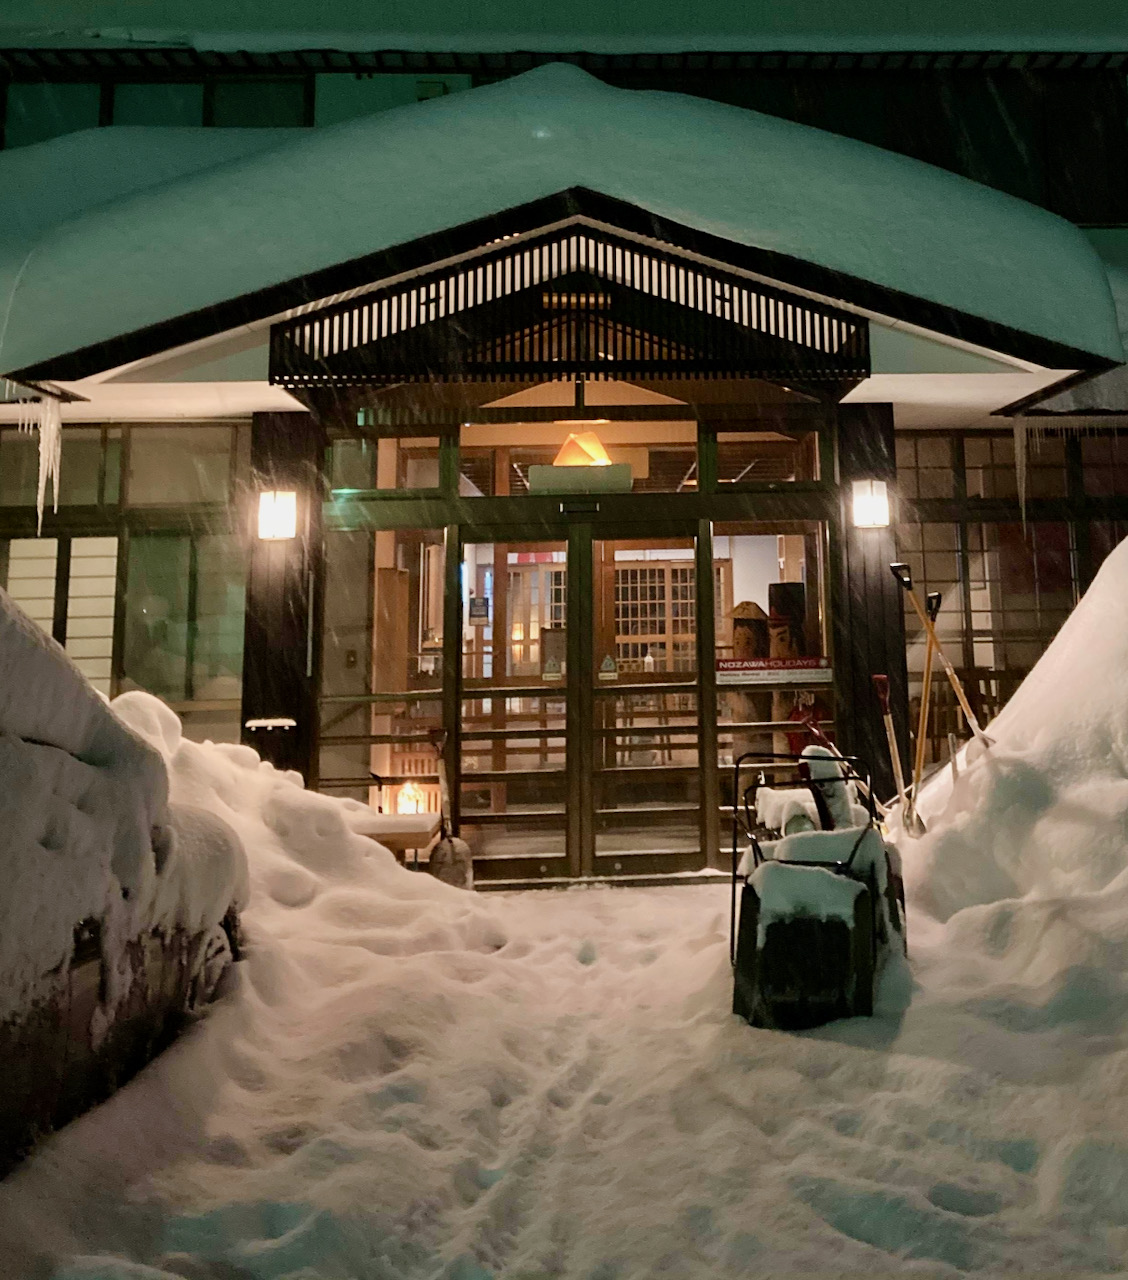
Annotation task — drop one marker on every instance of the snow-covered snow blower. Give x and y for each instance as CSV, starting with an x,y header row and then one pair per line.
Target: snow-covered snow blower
x,y
821,896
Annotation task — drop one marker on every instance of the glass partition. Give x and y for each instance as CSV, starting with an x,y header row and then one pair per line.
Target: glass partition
x,y
772,667
381,668
515,679
182,636
645,749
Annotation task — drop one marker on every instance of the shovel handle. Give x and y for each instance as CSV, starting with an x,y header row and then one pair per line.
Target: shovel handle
x,y
903,576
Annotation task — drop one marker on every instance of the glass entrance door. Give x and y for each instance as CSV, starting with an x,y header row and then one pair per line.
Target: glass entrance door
x,y
579,733
514,742
645,733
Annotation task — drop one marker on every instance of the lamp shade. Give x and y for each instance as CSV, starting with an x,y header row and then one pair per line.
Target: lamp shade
x,y
582,449
871,504
277,515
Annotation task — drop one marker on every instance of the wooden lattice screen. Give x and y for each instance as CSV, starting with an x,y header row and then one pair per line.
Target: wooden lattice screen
x,y
569,301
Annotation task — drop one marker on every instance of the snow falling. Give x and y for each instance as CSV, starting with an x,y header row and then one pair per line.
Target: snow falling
x,y
408,1081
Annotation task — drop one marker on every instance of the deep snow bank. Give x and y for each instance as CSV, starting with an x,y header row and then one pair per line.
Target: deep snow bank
x,y
1045,811
411,1082
88,834
1026,856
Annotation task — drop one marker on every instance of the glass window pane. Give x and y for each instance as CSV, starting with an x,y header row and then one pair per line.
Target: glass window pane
x,y
19,467
657,457
174,465
766,456
80,466
250,104
381,666
155,638
408,463
352,464
159,104
37,112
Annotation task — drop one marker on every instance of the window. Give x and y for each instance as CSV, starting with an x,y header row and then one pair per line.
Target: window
x,y
90,470
183,627
177,465
37,112
494,460
924,466
159,104
259,104
756,457
1021,589
1104,465
991,470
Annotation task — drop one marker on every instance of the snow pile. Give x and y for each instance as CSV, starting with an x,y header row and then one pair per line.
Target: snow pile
x,y
1043,813
89,831
410,1082
83,803
787,891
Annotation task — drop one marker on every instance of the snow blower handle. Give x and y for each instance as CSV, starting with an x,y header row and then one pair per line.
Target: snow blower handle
x,y
864,790
905,579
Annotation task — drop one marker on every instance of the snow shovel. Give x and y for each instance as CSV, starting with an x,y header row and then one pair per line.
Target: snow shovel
x,y
881,684
912,819
811,725
451,860
905,579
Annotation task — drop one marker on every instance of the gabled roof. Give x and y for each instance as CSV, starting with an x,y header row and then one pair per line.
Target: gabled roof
x,y
242,229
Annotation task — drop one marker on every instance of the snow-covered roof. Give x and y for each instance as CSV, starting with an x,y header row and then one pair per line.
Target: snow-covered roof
x,y
49,183
338,193
1108,392
590,25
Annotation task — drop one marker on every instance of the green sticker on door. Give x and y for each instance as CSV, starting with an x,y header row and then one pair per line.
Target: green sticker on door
x,y
608,669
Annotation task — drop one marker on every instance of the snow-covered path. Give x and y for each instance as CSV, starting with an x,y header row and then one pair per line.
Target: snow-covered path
x,y
550,1084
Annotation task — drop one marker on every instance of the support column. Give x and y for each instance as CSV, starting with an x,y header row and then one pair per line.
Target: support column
x,y
281,632
867,608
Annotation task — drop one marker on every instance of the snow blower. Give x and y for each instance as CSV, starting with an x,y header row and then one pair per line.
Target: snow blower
x,y
821,896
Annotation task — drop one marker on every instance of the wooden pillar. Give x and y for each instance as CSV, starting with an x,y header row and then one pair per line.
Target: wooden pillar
x,y
867,606
281,639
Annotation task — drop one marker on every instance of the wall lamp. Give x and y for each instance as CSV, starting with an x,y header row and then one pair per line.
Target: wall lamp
x,y
277,515
871,504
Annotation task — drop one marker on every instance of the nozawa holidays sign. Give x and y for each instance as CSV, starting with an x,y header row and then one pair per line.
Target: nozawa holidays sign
x,y
774,671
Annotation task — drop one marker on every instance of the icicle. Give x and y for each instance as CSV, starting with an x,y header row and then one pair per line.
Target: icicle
x,y
1019,428
45,416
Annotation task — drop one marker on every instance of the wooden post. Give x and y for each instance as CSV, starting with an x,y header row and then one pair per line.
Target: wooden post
x,y
281,635
867,608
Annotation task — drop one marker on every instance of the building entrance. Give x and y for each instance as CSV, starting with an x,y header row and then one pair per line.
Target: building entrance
x,y
579,733
581,682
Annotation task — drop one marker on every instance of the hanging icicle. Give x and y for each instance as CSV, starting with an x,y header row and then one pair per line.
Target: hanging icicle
x,y
45,416
1020,459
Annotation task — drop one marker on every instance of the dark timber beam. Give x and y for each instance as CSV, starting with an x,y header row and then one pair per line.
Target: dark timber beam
x,y
867,609
283,589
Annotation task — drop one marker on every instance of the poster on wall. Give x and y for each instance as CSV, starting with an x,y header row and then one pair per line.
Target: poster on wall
x,y
774,671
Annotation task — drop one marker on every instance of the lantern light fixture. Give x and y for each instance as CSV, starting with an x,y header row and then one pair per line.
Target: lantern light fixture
x,y
871,504
277,515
